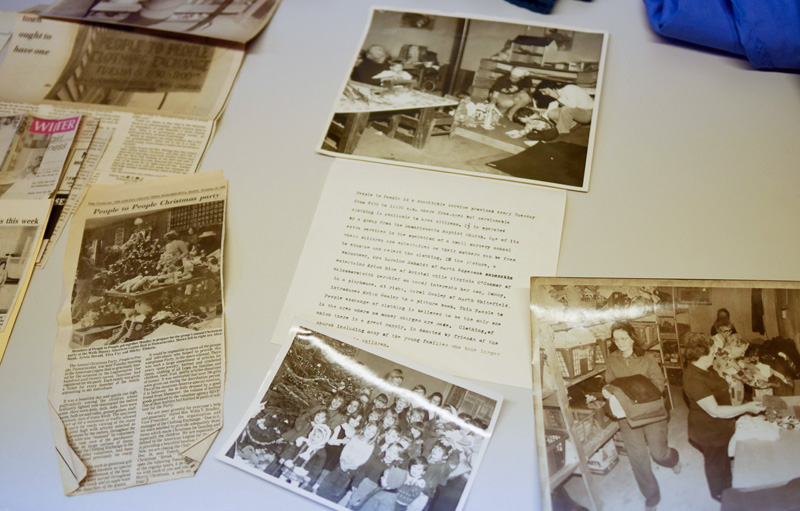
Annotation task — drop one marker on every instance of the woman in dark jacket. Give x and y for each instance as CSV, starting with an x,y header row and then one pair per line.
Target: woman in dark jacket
x,y
711,414
649,440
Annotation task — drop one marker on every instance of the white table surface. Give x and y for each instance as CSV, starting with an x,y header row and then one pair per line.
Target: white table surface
x,y
696,174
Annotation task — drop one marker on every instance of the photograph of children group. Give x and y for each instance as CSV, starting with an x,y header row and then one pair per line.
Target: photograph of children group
x,y
141,273
357,431
516,101
16,248
692,399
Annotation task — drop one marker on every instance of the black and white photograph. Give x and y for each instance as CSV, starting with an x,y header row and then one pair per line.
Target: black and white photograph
x,y
476,96
353,429
149,275
230,20
665,394
16,247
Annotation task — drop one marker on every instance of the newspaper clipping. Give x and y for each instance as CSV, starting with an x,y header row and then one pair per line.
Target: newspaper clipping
x,y
354,428
138,369
232,20
155,99
32,162
21,224
676,394
62,62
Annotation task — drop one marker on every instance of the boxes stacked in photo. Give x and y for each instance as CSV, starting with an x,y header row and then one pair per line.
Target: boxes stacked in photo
x,y
576,351
602,461
556,450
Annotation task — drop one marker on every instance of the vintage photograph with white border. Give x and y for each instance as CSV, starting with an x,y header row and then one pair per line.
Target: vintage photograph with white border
x,y
701,376
352,427
477,96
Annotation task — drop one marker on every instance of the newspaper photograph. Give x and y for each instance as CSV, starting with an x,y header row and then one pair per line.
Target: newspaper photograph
x,y
476,96
140,333
36,160
676,394
61,62
231,20
21,226
352,427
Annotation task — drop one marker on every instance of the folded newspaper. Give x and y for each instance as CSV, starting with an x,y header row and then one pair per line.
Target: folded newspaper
x,y
137,380
33,155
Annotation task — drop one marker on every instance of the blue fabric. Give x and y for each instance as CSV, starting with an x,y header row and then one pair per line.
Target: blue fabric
x,y
542,6
767,32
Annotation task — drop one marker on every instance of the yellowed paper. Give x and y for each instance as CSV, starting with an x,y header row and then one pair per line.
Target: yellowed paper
x,y
138,366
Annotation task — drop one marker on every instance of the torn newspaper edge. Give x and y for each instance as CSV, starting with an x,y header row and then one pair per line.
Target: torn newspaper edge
x,y
137,381
348,426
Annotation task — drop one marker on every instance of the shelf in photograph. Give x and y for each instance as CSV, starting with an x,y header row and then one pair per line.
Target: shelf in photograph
x,y
562,475
598,368
672,366
598,440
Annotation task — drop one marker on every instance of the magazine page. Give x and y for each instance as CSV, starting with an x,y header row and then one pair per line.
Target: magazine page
x,y
478,96
353,427
68,63
36,161
676,394
230,20
430,266
21,226
137,381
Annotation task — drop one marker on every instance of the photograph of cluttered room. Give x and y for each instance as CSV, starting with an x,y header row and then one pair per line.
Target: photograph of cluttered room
x,y
150,275
500,99
670,397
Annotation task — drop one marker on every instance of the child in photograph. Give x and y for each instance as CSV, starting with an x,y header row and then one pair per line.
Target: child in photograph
x,y
536,126
438,468
385,497
416,430
335,484
332,409
395,75
304,467
401,406
303,428
389,437
340,437
413,486
380,403
375,416
390,420
420,389
367,477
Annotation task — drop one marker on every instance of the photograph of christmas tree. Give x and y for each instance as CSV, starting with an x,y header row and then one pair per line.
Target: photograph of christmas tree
x,y
352,429
139,273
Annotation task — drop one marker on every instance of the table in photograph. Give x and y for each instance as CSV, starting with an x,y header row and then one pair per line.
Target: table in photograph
x,y
361,100
761,464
